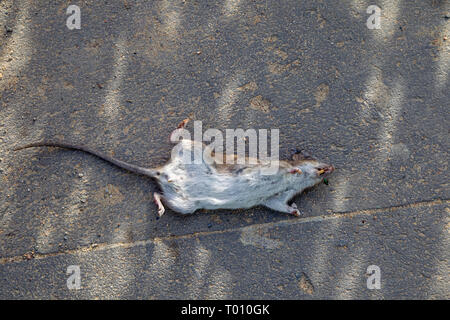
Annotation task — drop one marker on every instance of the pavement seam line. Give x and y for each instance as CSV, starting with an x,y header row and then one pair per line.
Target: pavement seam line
x,y
287,222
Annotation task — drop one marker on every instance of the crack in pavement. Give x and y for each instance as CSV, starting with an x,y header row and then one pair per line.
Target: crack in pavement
x,y
287,222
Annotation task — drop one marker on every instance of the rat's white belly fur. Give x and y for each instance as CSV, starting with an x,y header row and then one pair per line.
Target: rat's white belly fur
x,y
200,186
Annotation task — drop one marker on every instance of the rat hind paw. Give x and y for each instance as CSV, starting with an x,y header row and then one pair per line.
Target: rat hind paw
x,y
161,209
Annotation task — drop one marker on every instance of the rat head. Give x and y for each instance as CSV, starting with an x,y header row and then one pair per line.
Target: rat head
x,y
313,170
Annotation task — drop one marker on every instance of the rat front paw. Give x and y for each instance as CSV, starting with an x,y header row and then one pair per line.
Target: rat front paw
x,y
295,171
296,212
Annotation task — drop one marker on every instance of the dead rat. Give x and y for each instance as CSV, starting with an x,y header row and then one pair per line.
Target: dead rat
x,y
187,187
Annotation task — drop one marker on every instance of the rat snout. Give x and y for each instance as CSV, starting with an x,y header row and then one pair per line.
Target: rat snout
x,y
324,170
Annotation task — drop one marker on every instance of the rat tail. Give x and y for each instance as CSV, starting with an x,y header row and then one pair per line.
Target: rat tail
x,y
121,164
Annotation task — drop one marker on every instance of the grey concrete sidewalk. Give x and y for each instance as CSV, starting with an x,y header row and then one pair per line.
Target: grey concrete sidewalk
x,y
372,102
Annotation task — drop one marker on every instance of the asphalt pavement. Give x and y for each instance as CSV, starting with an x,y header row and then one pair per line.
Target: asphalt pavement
x,y
373,102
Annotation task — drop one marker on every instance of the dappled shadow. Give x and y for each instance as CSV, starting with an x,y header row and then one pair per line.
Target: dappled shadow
x,y
372,102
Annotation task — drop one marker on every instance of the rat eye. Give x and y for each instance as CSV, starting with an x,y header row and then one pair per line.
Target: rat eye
x,y
325,169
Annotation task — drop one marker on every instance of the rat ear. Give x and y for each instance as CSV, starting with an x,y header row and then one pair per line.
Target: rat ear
x,y
296,154
301,155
